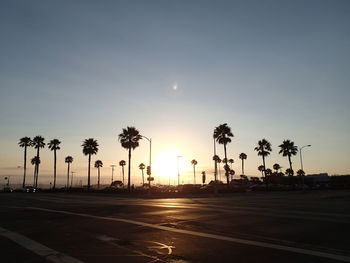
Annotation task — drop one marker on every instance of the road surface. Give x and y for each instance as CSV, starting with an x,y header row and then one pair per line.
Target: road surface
x,y
253,227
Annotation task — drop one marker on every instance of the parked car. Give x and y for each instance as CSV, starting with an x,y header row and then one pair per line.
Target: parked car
x,y
29,189
8,189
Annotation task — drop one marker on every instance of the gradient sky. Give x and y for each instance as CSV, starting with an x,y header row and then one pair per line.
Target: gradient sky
x,y
270,69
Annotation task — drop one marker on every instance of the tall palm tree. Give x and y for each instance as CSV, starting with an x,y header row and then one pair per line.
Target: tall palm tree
x,y
276,167
35,161
263,149
129,140
142,167
25,142
98,165
69,160
243,157
37,143
288,149
122,163
90,146
222,135
54,146
194,163
231,161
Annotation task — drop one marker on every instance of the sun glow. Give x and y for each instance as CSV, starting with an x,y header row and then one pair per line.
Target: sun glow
x,y
167,164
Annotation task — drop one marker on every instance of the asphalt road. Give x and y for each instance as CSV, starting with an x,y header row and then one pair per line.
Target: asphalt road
x,y
251,227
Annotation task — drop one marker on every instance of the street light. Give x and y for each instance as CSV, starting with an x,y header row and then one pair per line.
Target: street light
x,y
178,169
150,159
301,157
113,165
71,181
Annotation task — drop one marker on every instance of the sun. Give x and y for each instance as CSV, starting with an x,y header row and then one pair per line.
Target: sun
x,y
174,86
167,164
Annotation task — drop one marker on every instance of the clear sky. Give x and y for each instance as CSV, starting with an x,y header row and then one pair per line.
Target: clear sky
x,y
270,69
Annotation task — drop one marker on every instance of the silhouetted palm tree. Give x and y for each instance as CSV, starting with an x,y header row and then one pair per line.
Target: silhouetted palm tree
x,y
35,161
122,163
25,142
90,146
98,165
54,146
142,167
69,160
276,167
243,157
288,149
301,174
194,163
232,173
261,169
222,135
231,161
263,149
216,159
129,140
37,142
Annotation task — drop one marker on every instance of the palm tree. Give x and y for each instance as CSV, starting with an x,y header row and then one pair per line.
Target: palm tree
x,y
35,161
98,165
261,169
232,173
216,158
231,161
288,149
301,174
194,163
37,143
129,140
263,149
54,146
142,167
25,142
90,146
122,163
243,157
222,135
69,160
276,167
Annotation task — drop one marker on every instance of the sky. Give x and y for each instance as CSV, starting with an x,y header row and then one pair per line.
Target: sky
x,y
175,70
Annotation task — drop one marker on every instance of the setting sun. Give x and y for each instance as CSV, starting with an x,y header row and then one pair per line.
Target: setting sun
x,y
167,164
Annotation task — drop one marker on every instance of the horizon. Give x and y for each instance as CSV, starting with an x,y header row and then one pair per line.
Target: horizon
x,y
175,71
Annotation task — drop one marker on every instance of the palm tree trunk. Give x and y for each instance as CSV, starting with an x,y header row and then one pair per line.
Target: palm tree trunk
x,y
89,172
143,179
25,166
54,170
290,162
194,173
98,178
226,170
123,174
242,166
216,164
265,172
129,168
68,175
37,169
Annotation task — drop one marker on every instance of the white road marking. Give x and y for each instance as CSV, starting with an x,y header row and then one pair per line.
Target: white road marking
x,y
37,248
208,235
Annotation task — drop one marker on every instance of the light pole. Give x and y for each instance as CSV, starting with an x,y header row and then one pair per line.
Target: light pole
x,y
149,170
71,182
113,165
301,157
178,169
